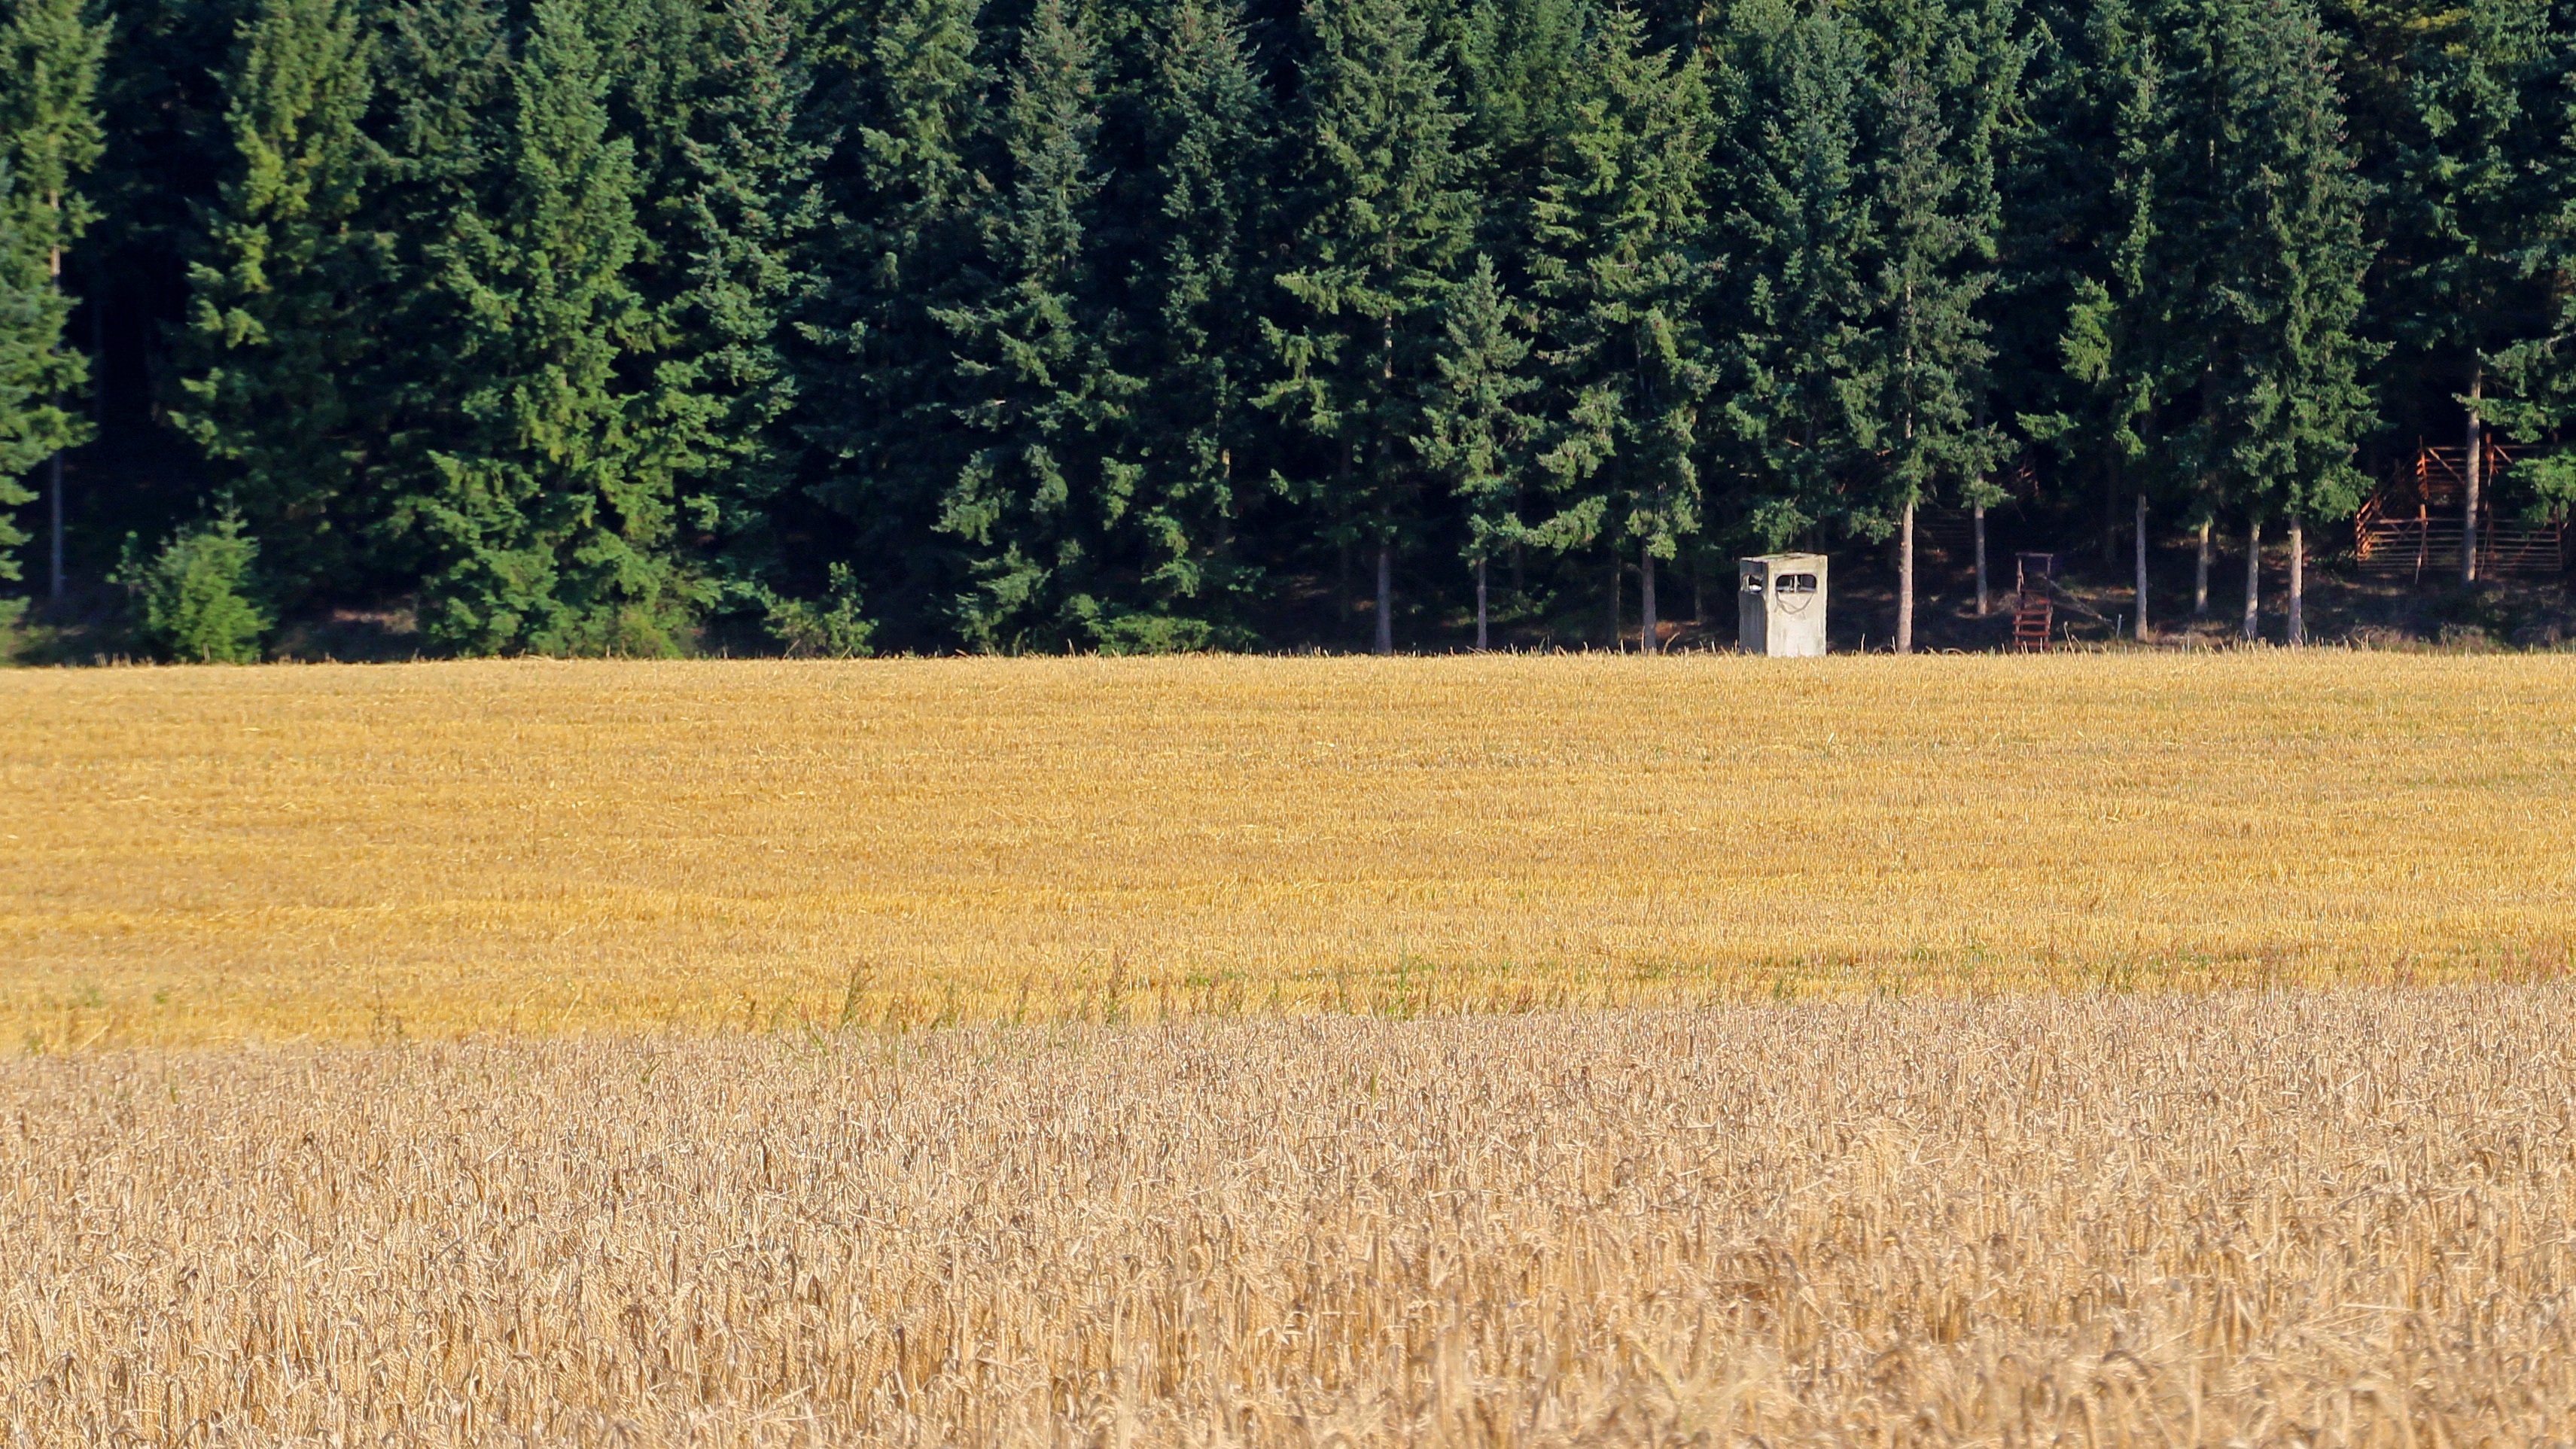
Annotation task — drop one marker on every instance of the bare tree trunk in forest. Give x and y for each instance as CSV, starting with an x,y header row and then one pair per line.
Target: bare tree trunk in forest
x,y
1978,513
1385,597
2253,579
2200,577
2298,630
2475,468
1905,581
54,268
1699,590
1647,643
55,588
1615,645
1480,605
2143,634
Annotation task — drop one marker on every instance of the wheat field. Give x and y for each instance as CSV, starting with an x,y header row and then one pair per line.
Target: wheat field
x,y
2318,1218
343,853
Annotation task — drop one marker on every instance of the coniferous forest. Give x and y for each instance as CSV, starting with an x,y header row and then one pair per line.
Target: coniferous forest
x,y
831,326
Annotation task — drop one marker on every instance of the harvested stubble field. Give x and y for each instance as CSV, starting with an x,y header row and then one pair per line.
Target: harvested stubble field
x,y
2296,1218
205,855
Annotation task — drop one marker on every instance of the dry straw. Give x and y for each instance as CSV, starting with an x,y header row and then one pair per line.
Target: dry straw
x,y
204,855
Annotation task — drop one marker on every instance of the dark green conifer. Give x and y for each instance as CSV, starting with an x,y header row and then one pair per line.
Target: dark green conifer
x,y
1478,432
50,134
284,296
1619,272
1382,217
1799,231
552,519
1038,400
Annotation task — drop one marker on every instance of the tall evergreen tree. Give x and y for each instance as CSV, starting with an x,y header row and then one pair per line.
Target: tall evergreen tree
x,y
2093,185
2274,215
2539,368
1039,399
723,263
284,294
1950,76
2461,211
1799,235
1618,269
552,520
1383,216
907,194
441,118
1477,428
49,135
1195,340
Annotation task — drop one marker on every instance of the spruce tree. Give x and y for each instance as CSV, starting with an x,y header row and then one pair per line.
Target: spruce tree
x,y
1382,219
281,326
2460,210
1798,234
1039,402
724,263
552,519
878,390
2276,216
49,135
1618,270
441,116
2092,192
1194,337
1949,80
1477,428
2538,369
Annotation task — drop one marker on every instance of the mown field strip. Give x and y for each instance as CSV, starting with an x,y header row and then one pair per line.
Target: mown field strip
x,y
2329,1218
196,855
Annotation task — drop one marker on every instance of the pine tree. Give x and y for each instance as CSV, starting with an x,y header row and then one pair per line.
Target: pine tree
x,y
1383,219
553,522
283,297
1799,235
878,389
2108,369
1477,430
2460,207
1618,271
2538,369
1039,400
724,262
49,135
441,117
1195,286
1948,83
2276,216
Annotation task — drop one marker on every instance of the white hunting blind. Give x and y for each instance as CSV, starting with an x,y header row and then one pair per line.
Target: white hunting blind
x,y
1780,610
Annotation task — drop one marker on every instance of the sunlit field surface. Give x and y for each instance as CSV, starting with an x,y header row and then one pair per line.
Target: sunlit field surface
x,y
2282,1218
208,855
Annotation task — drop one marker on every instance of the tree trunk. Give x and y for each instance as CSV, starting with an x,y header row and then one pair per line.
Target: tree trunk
x,y
1647,643
2143,634
1480,606
1385,597
1905,582
1979,514
1699,589
55,588
1614,599
2253,580
2475,467
54,274
2200,577
2298,630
